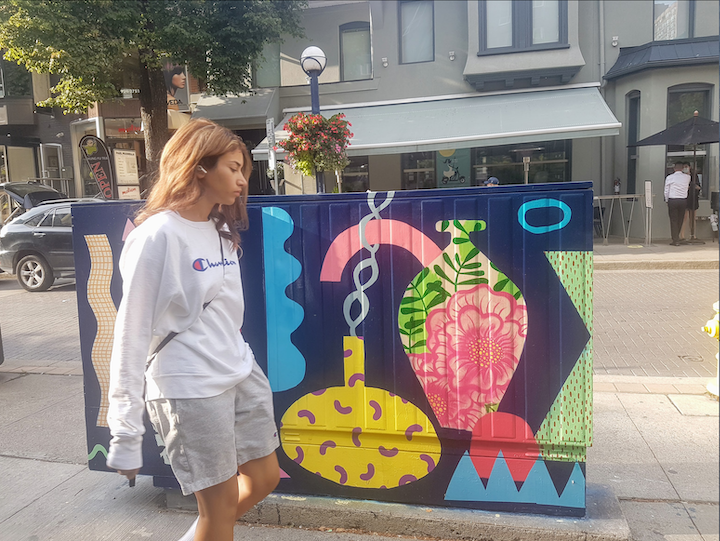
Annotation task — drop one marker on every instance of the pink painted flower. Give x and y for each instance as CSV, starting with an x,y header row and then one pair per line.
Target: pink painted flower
x,y
474,342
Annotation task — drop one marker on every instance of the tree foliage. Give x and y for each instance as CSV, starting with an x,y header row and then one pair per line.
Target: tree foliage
x,y
89,42
98,46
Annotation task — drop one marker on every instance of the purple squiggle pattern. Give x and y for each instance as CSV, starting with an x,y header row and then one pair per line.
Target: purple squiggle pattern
x,y
345,410
369,474
324,446
343,474
377,410
409,431
356,436
430,462
388,452
308,414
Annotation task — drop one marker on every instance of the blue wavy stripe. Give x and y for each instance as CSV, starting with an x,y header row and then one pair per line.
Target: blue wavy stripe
x,y
286,365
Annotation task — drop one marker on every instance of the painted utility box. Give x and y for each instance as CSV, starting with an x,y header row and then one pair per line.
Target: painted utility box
x,y
430,347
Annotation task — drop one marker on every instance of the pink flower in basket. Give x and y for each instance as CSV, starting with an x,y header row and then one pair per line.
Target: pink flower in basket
x,y
474,342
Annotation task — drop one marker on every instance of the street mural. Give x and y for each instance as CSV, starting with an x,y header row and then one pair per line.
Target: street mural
x,y
429,347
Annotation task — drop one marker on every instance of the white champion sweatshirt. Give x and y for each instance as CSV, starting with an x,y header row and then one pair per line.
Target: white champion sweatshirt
x,y
170,267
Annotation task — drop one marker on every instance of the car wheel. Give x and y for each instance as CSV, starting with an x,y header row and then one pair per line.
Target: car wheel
x,y
34,274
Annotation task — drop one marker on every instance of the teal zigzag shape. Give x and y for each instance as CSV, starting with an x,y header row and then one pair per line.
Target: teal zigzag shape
x,y
538,488
286,365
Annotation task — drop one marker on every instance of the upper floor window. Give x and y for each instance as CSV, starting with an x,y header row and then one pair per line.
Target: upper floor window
x,y
520,25
15,81
417,31
355,56
673,19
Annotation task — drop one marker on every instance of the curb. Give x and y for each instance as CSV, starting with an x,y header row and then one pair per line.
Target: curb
x,y
604,520
655,265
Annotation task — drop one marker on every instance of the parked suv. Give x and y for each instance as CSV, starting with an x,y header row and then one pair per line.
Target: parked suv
x,y
37,246
18,197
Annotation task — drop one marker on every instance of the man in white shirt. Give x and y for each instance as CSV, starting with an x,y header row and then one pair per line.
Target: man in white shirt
x,y
676,192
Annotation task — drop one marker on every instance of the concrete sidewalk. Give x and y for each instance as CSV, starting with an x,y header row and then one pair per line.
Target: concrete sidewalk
x,y
653,469
657,256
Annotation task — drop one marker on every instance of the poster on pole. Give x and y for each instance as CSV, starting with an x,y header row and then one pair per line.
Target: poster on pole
x,y
126,168
648,194
95,154
126,172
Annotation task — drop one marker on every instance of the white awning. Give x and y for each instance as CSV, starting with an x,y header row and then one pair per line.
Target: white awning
x,y
240,112
474,121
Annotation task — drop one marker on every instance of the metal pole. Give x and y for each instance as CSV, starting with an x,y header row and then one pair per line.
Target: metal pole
x,y
315,108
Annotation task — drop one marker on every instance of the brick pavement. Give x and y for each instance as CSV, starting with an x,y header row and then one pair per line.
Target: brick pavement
x,y
648,323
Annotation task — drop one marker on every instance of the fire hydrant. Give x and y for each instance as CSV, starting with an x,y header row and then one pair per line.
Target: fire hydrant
x,y
712,327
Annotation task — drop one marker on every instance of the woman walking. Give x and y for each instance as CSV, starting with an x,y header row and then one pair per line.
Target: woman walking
x,y
178,338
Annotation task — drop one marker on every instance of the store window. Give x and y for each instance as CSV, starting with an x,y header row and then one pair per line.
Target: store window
x,y
673,19
549,161
633,131
417,31
356,176
355,55
521,25
418,170
682,102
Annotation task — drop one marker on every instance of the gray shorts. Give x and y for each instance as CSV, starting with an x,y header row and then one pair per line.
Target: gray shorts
x,y
206,439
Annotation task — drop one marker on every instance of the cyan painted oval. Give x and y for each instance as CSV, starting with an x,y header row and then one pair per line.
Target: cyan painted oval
x,y
544,203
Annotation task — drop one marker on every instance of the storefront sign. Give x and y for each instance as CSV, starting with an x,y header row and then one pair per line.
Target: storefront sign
x,y
97,158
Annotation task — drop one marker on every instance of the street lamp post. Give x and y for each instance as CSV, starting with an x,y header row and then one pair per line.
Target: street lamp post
x,y
313,61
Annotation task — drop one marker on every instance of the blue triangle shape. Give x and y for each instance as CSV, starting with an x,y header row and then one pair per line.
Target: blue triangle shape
x,y
501,486
465,484
538,487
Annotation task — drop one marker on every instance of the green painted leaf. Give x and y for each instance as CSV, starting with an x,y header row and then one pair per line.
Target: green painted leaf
x,y
448,261
435,286
473,273
421,343
410,300
479,225
472,265
457,258
500,285
441,273
474,281
472,253
494,267
445,225
420,277
460,240
457,224
413,323
438,299
410,310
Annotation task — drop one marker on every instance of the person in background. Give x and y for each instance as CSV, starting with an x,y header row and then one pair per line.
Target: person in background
x,y
492,181
178,350
676,192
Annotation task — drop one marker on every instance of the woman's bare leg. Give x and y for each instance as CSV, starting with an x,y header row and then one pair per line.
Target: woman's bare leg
x,y
257,479
217,506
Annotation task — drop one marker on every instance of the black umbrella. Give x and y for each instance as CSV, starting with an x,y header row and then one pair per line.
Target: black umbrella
x,y
694,131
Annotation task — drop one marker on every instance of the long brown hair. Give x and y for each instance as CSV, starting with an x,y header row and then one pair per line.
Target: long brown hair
x,y
200,142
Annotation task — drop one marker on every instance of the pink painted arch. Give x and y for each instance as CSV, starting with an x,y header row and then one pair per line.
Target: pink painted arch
x,y
392,232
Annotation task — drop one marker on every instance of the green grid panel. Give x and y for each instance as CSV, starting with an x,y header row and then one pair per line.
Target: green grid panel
x,y
566,432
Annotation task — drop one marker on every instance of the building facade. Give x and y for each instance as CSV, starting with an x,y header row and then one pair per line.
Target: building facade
x,y
448,94
35,143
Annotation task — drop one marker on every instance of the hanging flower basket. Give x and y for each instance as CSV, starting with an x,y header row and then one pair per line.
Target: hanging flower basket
x,y
317,143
